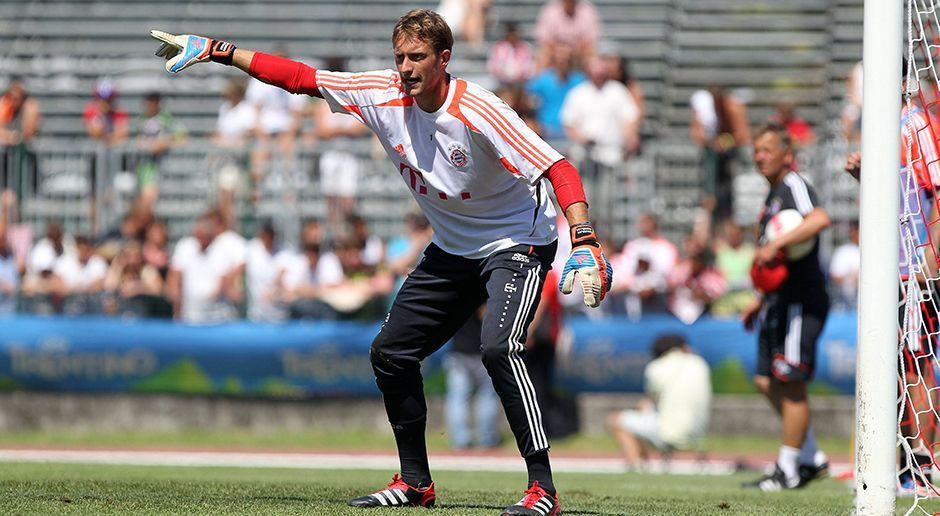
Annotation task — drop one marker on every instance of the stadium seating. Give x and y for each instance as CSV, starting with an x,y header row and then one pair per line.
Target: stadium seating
x,y
766,51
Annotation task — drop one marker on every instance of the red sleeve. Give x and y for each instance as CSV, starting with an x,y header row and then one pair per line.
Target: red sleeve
x,y
285,74
567,183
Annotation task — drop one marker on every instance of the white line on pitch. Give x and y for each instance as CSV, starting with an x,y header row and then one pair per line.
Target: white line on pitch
x,y
345,461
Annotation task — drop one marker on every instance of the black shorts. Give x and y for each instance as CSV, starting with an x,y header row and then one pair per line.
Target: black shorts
x,y
786,345
435,301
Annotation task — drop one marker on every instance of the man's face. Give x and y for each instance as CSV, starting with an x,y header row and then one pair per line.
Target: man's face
x,y
421,69
771,156
561,58
598,71
151,107
646,226
569,6
85,252
16,93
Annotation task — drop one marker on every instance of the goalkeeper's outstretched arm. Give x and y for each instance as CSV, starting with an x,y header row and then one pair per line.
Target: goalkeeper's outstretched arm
x,y
183,51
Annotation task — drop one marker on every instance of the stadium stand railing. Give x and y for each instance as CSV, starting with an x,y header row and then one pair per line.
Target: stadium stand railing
x,y
799,50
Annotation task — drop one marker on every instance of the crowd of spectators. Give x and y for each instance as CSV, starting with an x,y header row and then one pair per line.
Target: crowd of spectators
x,y
569,84
216,274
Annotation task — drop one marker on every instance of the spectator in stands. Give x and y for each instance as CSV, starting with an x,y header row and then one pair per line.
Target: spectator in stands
x,y
157,132
405,250
9,274
264,259
844,270
620,72
104,120
311,232
19,235
370,246
109,125
199,274
79,278
466,19
279,114
694,284
549,89
135,287
48,249
339,168
676,414
719,126
733,257
305,279
154,249
39,294
233,246
572,23
133,225
362,292
511,60
20,121
467,379
801,132
645,263
601,118
852,112
237,119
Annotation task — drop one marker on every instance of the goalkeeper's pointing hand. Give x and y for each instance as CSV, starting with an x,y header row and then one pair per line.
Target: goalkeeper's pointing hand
x,y
185,50
588,263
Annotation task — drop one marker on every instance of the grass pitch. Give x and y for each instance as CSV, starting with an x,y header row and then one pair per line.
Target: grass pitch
x,y
88,489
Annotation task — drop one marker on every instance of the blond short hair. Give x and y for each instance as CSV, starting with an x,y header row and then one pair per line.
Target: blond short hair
x,y
424,25
781,131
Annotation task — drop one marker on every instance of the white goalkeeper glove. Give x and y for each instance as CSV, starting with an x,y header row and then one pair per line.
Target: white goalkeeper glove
x,y
185,50
588,264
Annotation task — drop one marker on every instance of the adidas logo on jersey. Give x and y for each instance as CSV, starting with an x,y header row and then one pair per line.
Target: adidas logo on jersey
x,y
519,257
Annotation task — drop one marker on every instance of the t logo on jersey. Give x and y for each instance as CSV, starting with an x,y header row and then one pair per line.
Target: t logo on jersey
x,y
414,177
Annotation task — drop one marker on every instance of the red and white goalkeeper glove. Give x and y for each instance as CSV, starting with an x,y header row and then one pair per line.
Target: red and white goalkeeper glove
x,y
588,263
185,50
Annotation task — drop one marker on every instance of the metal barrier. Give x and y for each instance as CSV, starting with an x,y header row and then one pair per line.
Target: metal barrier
x,y
88,186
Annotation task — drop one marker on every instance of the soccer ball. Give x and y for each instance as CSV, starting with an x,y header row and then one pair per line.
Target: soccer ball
x,y
784,222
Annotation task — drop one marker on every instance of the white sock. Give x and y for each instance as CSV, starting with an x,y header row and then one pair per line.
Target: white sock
x,y
787,461
809,449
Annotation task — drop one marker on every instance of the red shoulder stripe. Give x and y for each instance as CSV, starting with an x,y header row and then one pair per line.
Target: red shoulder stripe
x,y
519,138
454,108
505,135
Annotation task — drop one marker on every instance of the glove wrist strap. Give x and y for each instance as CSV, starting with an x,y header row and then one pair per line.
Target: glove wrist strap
x,y
221,52
583,234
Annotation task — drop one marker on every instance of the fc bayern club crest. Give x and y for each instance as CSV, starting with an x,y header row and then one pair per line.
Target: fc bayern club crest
x,y
458,155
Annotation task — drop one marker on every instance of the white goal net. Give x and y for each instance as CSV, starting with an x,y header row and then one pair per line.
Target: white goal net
x,y
919,225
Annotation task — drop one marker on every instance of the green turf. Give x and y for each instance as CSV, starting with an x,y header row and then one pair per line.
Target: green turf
x,y
364,441
96,489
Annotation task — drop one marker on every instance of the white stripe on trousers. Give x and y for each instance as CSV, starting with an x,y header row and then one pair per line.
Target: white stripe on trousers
x,y
794,333
521,375
527,392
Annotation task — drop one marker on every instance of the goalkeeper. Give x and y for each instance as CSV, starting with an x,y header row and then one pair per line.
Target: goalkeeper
x,y
476,170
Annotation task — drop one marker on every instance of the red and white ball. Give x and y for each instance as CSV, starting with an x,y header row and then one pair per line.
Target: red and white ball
x,y
784,222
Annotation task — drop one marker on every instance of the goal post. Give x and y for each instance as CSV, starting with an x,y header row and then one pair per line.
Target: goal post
x,y
876,377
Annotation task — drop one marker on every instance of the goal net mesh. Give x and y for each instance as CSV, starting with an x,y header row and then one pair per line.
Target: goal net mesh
x,y
919,234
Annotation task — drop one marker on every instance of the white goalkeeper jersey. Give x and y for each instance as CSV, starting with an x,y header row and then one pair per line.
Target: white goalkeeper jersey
x,y
474,167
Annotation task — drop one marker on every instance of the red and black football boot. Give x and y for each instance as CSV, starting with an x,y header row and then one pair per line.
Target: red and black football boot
x,y
536,502
398,493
